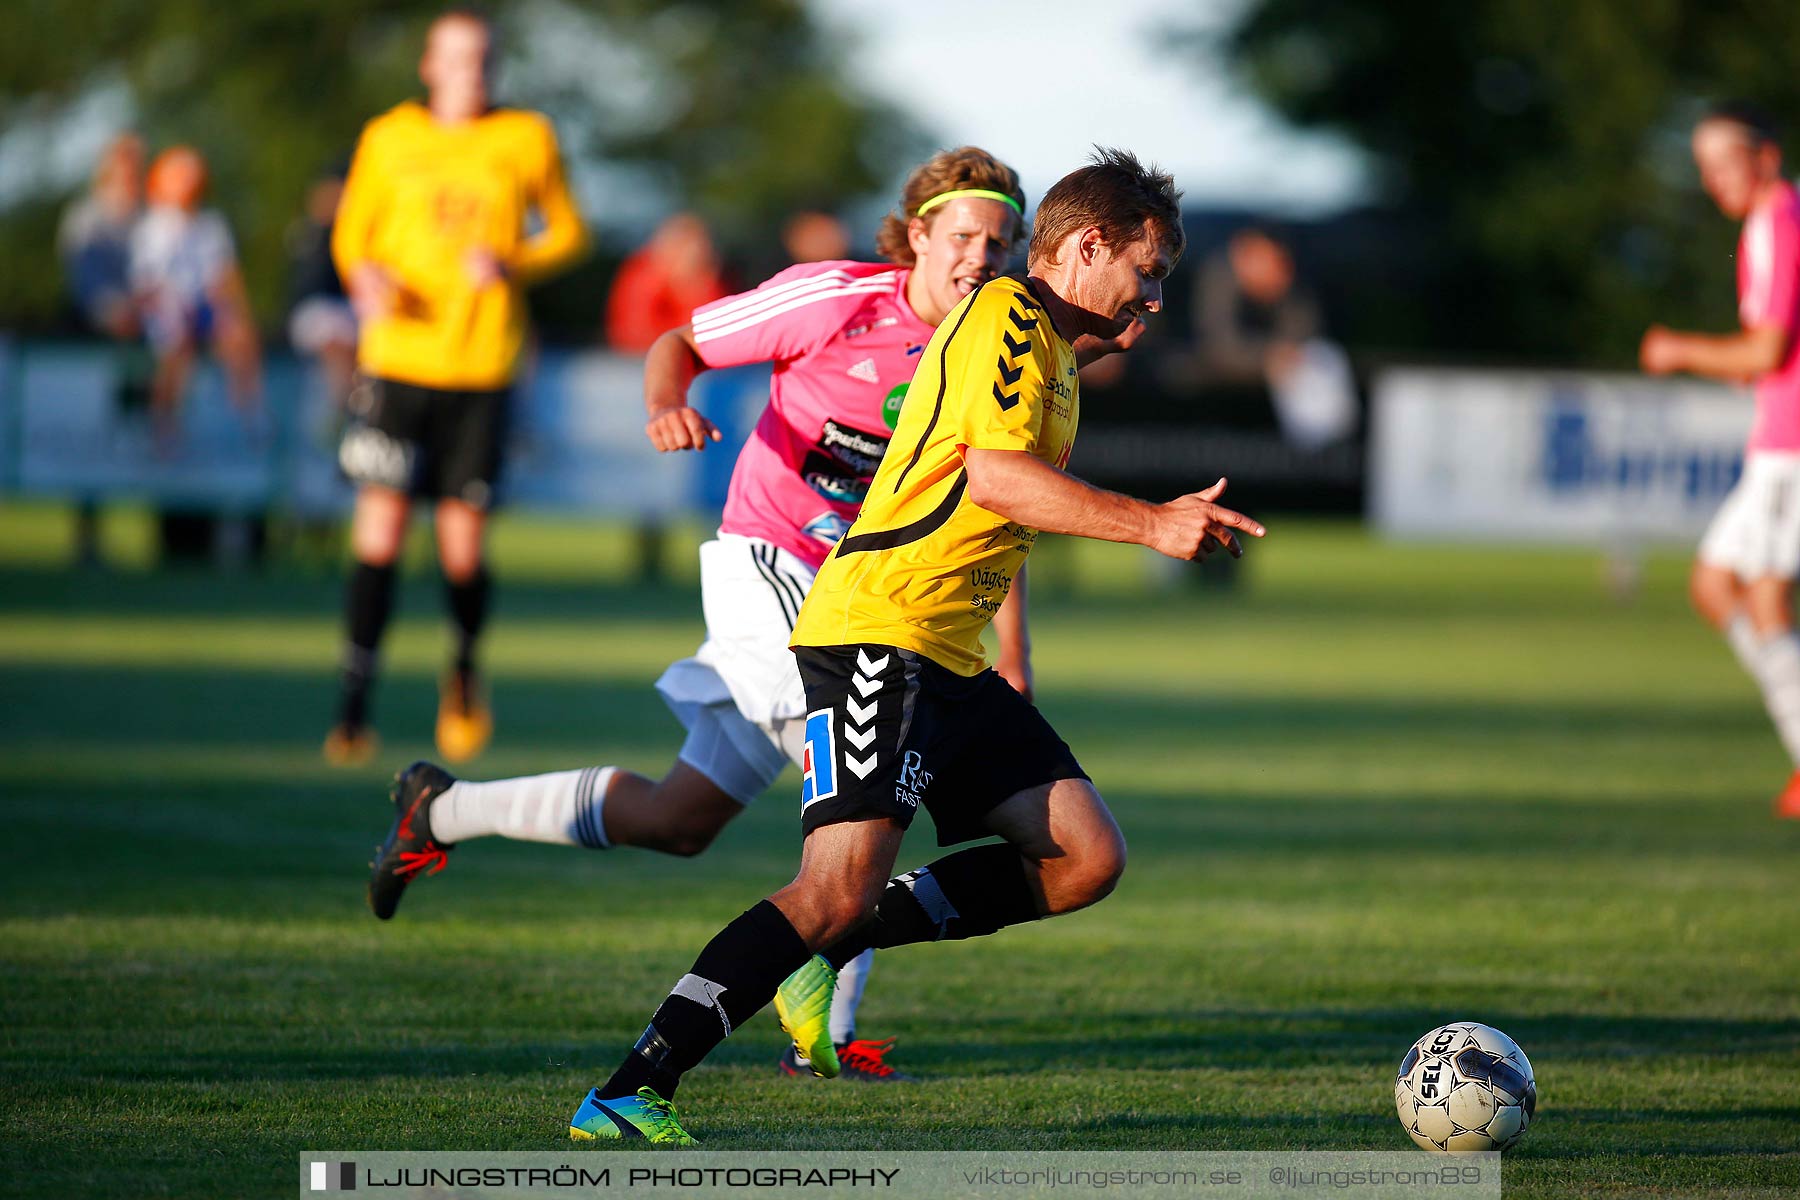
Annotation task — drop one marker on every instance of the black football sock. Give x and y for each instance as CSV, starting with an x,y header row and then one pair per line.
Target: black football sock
x,y
967,894
468,603
368,602
732,979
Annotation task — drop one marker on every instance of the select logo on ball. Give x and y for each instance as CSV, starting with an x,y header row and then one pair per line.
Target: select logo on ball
x,y
1465,1086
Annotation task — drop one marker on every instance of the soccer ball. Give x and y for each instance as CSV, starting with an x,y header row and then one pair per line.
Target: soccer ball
x,y
1465,1087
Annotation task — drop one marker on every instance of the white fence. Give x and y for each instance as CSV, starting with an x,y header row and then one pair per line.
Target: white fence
x,y
1604,460
72,424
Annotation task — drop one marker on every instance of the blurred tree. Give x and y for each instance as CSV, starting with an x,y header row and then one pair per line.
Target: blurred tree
x,y
735,107
1540,144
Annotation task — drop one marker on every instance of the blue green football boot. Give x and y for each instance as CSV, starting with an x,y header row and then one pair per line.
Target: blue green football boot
x,y
803,1002
646,1115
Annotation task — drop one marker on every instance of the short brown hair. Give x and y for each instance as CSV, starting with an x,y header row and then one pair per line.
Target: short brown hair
x,y
947,171
1115,194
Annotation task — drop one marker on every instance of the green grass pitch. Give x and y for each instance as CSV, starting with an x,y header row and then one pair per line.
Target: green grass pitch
x,y
1369,790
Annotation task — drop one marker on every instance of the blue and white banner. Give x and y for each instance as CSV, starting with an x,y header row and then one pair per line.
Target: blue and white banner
x,y
74,423
83,426
1603,460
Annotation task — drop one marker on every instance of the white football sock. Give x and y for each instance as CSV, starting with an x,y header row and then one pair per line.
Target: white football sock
x,y
562,807
1780,679
844,1002
1746,644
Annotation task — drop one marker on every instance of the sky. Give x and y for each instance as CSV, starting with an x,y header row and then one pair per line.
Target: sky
x,y
1095,72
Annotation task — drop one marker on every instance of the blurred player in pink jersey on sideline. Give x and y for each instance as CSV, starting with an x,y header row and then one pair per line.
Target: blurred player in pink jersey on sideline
x,y
1743,578
844,339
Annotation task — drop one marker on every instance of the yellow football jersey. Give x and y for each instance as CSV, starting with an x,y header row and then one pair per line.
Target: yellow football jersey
x,y
421,194
923,567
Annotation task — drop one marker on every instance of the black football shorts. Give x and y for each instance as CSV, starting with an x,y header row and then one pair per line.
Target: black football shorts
x,y
889,731
431,443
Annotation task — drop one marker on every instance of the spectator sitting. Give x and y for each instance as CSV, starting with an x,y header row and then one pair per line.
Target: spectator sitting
x,y
1259,328
94,239
185,275
94,243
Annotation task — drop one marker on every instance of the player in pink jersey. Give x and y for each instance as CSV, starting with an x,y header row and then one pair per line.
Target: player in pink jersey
x,y
1743,577
844,338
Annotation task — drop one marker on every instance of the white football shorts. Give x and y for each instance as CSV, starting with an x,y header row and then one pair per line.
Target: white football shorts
x,y
740,696
1756,532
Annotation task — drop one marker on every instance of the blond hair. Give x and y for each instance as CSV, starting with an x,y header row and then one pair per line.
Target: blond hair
x,y
946,171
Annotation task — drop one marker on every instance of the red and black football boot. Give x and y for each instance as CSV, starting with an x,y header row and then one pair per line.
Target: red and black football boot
x,y
409,851
864,1060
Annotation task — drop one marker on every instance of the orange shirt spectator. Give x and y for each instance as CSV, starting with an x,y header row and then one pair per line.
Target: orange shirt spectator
x,y
659,287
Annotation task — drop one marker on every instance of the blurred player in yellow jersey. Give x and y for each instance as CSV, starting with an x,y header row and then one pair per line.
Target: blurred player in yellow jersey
x,y
432,242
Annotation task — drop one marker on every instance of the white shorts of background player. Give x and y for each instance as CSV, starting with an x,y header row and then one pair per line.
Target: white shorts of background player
x,y
1756,532
739,696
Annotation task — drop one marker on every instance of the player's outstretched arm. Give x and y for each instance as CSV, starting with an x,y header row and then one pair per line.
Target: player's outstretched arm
x,y
1733,357
1022,488
669,370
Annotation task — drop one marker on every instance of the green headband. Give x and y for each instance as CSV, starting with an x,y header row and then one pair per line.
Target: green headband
x,y
978,193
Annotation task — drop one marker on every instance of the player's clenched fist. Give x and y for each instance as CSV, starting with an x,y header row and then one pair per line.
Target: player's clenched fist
x,y
681,429
1192,526
1660,351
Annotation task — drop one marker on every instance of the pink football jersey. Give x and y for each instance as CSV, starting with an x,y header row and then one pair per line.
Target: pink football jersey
x,y
843,341
1769,294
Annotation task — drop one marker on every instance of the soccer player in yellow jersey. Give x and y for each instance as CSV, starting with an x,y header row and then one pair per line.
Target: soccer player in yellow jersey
x,y
432,242
902,712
